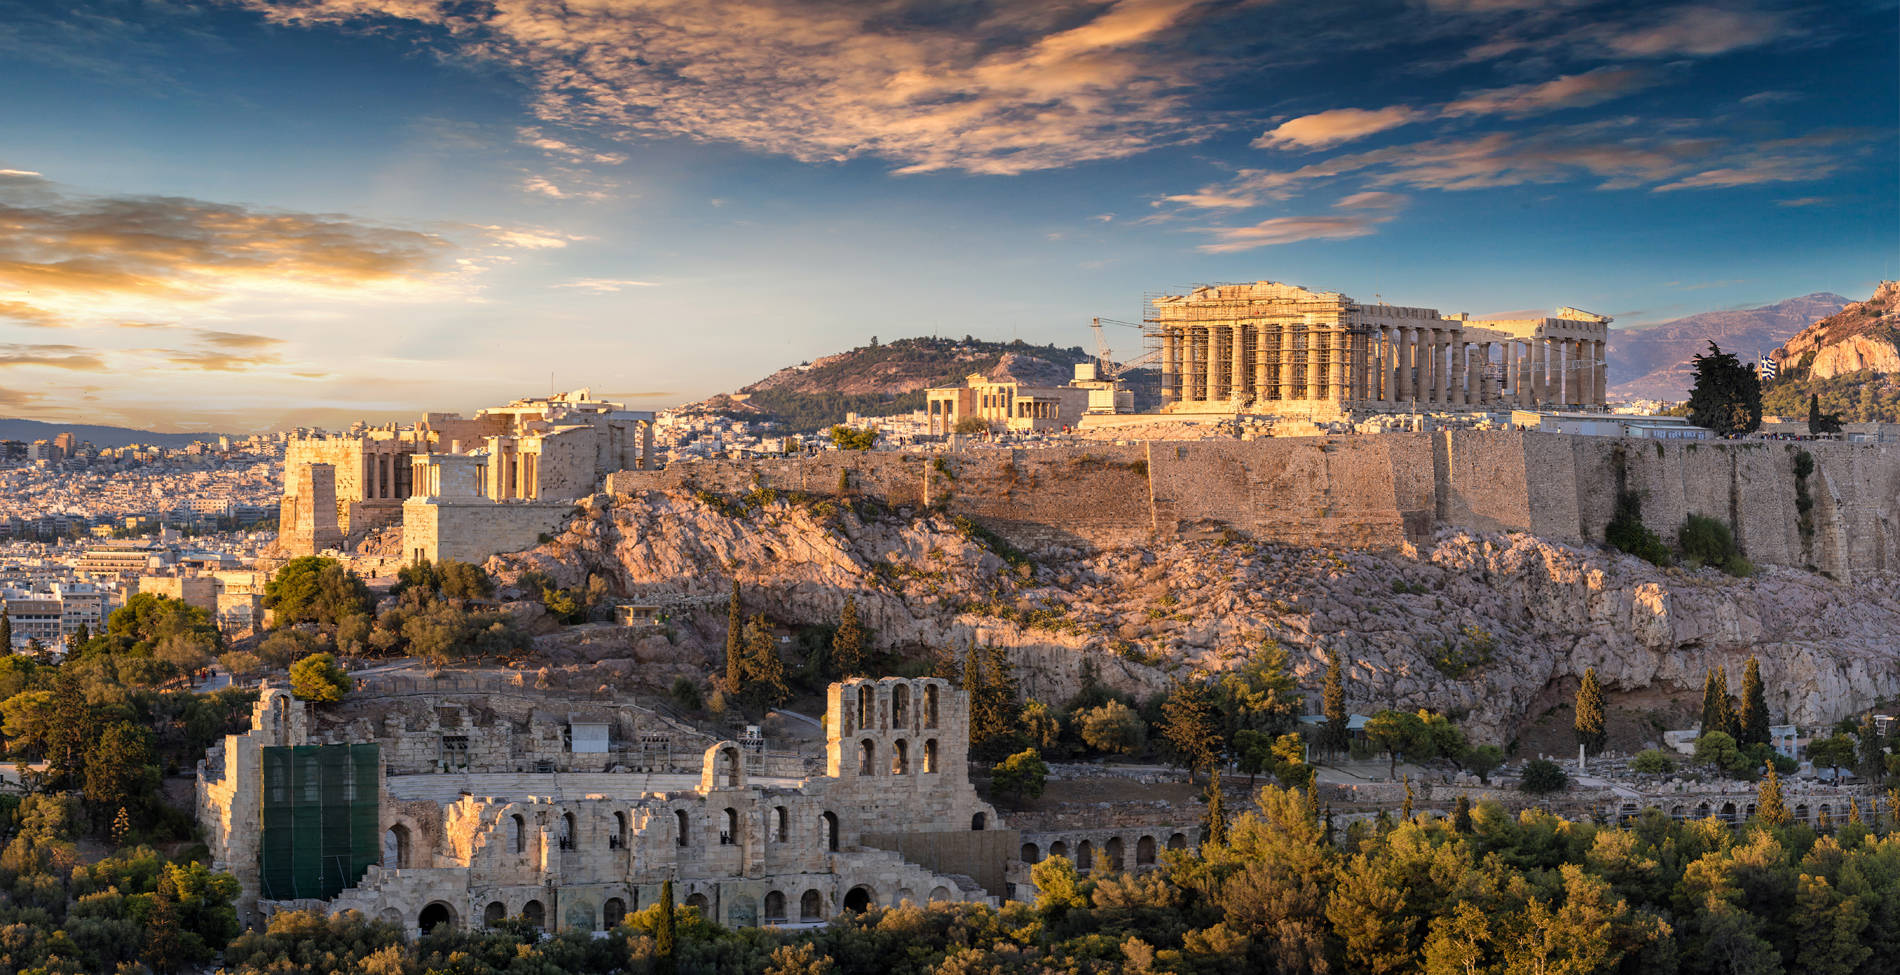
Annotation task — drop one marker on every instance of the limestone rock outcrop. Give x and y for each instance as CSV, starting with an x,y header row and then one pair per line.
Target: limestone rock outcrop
x,y
1861,336
1483,623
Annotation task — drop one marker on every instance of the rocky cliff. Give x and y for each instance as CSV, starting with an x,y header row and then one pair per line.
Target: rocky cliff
x,y
1863,336
1653,361
1493,625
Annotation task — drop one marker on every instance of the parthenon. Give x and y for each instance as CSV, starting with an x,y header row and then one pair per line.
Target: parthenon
x,y
1276,348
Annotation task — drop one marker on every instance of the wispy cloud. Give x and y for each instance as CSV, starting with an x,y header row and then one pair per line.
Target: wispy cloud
x,y
1330,128
1567,91
606,285
1289,230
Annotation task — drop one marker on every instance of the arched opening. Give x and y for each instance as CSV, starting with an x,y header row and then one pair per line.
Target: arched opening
x,y
811,906
533,913
1751,810
435,915
858,899
831,831
1085,856
1827,816
1728,812
781,823
1702,811
730,834
1031,854
1801,812
733,767
1177,841
567,831
618,841
930,755
683,831
939,895
396,848
930,706
1059,849
1677,812
521,834
612,911
900,706
900,757
1627,812
905,896
495,913
1112,853
867,705
867,757
774,907
1145,851
978,821
699,903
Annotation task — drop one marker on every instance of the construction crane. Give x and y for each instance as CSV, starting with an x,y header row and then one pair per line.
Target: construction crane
x,y
1105,356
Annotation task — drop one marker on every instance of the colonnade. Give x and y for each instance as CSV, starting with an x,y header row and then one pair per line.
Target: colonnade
x,y
1379,365
385,475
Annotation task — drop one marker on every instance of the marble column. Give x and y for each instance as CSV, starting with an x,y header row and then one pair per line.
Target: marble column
x,y
1404,369
1209,387
1534,350
1170,366
1264,341
1196,361
1388,359
1460,382
1601,386
1239,373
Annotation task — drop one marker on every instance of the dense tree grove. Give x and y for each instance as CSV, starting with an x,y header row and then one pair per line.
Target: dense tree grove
x,y
1726,396
1483,891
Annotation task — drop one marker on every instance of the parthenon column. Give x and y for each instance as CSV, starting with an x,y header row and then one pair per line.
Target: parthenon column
x,y
1336,364
1238,374
1170,366
1404,344
1360,344
1459,395
1190,376
1441,356
1265,338
1485,395
1601,386
1534,351
1212,356
1386,359
1567,354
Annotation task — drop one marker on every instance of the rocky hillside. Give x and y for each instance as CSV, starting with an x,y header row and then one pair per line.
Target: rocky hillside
x,y
1652,362
1864,335
879,380
1494,627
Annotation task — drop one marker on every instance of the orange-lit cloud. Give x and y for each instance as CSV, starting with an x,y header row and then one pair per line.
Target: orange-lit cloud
x,y
1568,91
1289,230
1004,89
1330,128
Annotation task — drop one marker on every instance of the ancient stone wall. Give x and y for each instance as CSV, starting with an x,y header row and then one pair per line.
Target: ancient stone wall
x,y
470,531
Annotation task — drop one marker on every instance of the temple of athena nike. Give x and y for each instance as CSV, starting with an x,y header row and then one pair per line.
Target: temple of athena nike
x,y
1280,349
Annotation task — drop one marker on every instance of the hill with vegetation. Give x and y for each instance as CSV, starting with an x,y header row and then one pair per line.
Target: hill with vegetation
x,y
883,379
1850,359
99,436
1652,362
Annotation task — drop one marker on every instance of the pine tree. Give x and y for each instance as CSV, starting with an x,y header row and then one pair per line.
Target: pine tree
x,y
1216,815
1751,718
76,640
164,942
1461,815
994,711
69,733
1873,749
1769,804
847,644
972,668
663,961
1727,395
1334,735
1589,724
943,665
735,645
1189,725
1717,714
765,672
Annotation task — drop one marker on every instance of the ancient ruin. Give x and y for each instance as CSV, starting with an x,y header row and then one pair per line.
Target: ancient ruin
x,y
1268,347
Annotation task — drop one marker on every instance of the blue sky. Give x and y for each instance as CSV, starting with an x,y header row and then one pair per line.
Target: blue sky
x,y
256,213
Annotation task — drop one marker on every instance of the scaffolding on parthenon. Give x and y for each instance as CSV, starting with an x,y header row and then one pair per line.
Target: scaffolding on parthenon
x,y
1293,368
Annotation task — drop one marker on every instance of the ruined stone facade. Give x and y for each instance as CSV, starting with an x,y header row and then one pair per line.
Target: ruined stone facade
x,y
474,832
1007,405
1267,347
539,451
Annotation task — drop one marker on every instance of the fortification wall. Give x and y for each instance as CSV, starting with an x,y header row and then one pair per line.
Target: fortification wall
x,y
1375,491
472,530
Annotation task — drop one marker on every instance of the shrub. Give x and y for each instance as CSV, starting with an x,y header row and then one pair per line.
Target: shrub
x,y
318,678
1652,761
1708,541
1542,777
1113,727
1627,533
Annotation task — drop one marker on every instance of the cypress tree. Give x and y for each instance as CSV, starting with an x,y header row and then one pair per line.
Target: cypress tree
x,y
1405,810
1873,750
6,632
972,669
164,942
1189,725
1717,715
765,672
1752,717
847,644
1589,724
1461,815
1769,804
1216,815
735,644
663,960
1334,735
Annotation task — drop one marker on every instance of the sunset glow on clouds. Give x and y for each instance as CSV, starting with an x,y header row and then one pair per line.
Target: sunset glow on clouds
x,y
253,212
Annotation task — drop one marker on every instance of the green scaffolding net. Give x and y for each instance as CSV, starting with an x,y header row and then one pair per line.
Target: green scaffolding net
x,y
320,819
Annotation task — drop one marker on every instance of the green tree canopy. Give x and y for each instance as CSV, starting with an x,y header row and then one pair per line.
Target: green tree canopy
x,y
315,589
1589,723
1021,775
1751,716
1726,396
318,679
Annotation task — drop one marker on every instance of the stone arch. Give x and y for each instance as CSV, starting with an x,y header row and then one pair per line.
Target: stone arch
x,y
1058,849
905,895
867,757
900,705
682,825
1112,853
520,833
1145,851
1751,810
867,706
774,906
729,835
1677,812
1826,817
618,841
979,821
940,894
1085,856
831,830
396,850
1702,810
811,906
700,902
1030,853
613,910
781,823
1801,812
859,898
722,767
900,757
435,914
1177,841
533,913
1626,812
390,916
569,830
495,913
930,755
1728,812
930,705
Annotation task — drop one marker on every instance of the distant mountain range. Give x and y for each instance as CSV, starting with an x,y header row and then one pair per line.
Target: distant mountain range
x,y
1652,362
30,430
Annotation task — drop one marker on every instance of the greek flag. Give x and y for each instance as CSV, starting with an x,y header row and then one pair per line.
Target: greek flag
x,y
1768,367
